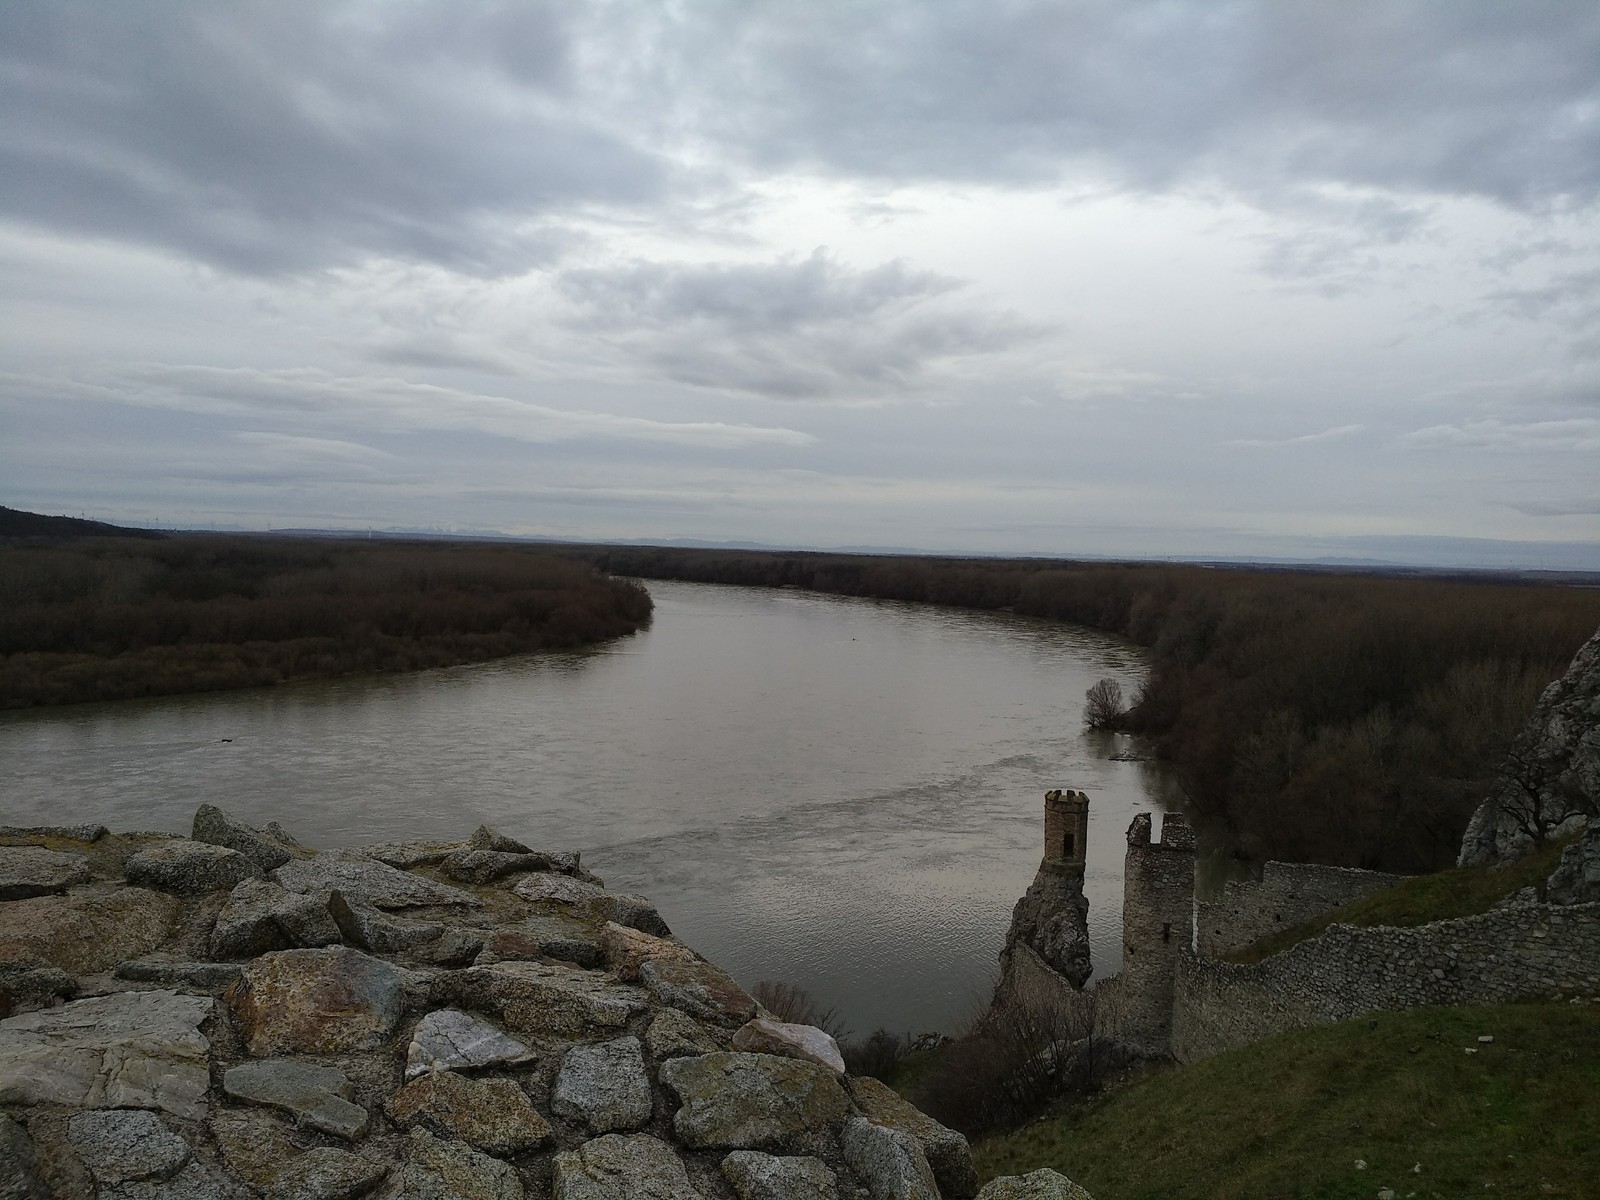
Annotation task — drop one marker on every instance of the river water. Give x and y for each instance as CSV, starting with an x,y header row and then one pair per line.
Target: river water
x,y
840,793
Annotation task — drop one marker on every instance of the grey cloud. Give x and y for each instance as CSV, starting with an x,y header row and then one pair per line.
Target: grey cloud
x,y
1578,434
1305,439
807,329
1574,294
1557,508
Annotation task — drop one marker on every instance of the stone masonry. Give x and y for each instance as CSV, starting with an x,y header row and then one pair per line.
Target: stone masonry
x,y
1286,895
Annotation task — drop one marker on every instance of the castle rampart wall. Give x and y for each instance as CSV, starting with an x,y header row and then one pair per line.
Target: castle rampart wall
x,y
1286,895
1519,952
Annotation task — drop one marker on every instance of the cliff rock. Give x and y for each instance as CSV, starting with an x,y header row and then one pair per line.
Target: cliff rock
x,y
1053,918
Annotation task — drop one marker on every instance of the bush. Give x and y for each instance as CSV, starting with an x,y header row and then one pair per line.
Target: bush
x,y
1102,705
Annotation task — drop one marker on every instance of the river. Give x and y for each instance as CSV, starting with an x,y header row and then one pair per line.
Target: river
x,y
840,793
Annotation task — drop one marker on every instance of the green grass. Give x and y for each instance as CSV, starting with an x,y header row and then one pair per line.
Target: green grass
x,y
1291,1116
1461,892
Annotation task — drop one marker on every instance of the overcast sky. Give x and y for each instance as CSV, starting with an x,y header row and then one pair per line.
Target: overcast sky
x,y
1179,277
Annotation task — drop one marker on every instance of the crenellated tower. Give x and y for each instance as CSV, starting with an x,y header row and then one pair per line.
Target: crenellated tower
x,y
1157,923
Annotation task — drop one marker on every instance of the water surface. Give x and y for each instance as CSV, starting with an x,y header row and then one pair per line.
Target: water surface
x,y
841,793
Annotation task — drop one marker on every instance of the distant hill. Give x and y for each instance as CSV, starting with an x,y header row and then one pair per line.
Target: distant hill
x,y
15,523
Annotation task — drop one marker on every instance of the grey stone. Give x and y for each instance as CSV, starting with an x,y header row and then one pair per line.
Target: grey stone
x,y
187,868
377,932
451,1040
626,950
766,1035
758,1176
494,1115
890,1161
76,833
28,981
615,1167
1052,917
704,991
206,976
1043,1184
19,1172
317,1001
455,947
268,849
1576,879
327,1174
91,928
406,855
546,1000
486,866
34,871
195,1182
485,837
365,881
260,916
947,1151
119,1145
633,911
317,1096
545,936
445,1170
127,1050
736,1101
674,1034
604,1086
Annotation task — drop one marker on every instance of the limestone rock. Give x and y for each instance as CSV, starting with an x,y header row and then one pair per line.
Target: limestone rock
x,y
757,1176
698,988
451,1040
1576,879
33,871
317,1096
633,911
375,931
125,1050
19,1173
121,1145
365,881
206,976
444,1170
604,1086
187,868
546,936
947,1151
90,929
889,1160
1043,1184
1554,762
406,855
626,950
260,916
673,1034
1053,918
737,1101
317,1001
546,1000
492,1114
615,1167
766,1035
267,850
327,1174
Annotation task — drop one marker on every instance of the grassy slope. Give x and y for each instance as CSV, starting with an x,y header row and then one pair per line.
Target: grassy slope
x,y
1462,892
1290,1117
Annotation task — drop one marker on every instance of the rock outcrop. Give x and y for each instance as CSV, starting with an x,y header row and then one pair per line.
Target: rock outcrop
x,y
1550,780
1053,918
238,1016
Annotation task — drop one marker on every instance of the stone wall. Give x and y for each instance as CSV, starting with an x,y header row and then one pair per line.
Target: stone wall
x,y
1286,895
1515,953
1157,923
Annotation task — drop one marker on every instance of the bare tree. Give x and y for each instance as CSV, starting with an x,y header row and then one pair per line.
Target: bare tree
x,y
1535,795
1103,707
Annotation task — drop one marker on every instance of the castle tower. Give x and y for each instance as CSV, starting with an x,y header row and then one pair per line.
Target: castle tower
x,y
1066,832
1157,924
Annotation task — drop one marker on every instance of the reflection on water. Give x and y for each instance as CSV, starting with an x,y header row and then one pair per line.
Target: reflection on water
x,y
842,793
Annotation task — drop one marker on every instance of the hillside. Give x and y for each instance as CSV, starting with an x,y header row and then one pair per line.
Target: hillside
x,y
14,523
1296,1115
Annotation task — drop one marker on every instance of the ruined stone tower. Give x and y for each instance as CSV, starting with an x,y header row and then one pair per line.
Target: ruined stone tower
x,y
1066,832
1052,918
1157,923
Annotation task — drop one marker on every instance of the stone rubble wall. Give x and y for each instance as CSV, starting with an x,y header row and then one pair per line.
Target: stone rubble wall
x,y
1286,895
1519,952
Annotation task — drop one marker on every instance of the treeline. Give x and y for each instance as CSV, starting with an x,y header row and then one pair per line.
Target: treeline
x,y
101,619
1346,718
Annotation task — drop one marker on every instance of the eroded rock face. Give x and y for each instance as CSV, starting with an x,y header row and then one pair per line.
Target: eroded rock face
x,y
187,868
673,1034
604,1086
34,871
1576,879
317,1001
733,1101
615,1167
444,1170
492,1114
19,1175
1553,767
324,1173
261,916
1053,918
126,1050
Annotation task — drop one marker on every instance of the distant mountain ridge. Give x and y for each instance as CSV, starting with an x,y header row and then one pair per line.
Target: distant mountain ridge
x,y
16,523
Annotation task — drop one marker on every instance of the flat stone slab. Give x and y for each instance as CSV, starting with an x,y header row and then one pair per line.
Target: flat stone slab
x,y
548,1001
493,1115
207,976
187,868
764,1035
125,1050
604,1086
758,1176
317,1001
317,1096
122,1145
733,1101
451,1040
367,881
446,1170
615,1167
947,1151
34,871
